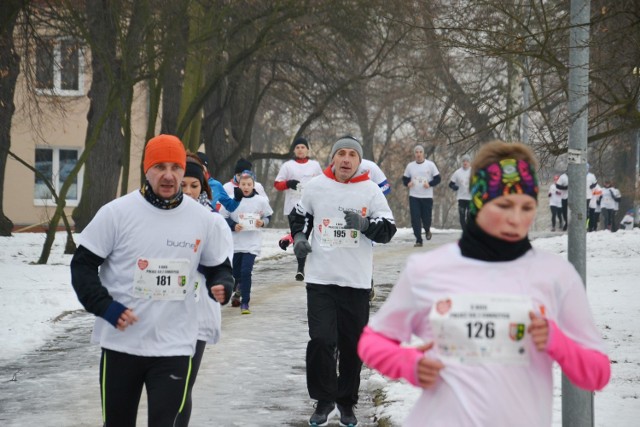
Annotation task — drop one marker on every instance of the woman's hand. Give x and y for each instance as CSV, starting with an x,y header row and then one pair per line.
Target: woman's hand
x,y
539,331
428,369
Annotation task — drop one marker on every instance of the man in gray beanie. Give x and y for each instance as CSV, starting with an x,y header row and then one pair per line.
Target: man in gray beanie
x,y
347,142
340,214
460,184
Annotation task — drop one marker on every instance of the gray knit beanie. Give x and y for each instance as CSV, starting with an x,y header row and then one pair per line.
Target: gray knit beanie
x,y
347,142
465,157
418,148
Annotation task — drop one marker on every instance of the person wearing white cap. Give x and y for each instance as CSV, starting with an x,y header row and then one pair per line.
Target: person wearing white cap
x,y
460,184
340,213
421,176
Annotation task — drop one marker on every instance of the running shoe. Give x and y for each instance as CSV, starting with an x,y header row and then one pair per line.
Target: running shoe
x,y
244,309
299,276
347,417
235,299
324,411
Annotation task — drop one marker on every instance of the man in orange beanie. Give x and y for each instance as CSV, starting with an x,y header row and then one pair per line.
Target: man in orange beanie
x,y
165,160
136,269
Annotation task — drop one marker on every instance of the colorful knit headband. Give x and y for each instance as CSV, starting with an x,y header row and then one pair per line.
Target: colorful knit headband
x,y
508,176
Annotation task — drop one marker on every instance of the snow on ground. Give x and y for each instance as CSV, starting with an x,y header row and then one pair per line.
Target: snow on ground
x,y
32,297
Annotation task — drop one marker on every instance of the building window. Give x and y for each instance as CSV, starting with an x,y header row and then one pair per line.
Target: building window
x,y
59,67
55,164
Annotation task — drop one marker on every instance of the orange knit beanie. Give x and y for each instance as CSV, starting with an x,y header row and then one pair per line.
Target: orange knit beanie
x,y
164,148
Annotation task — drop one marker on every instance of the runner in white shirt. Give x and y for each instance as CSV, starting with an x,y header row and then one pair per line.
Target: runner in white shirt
x,y
339,216
376,175
421,176
627,221
609,205
250,216
291,179
494,313
592,181
231,186
460,184
135,268
562,184
555,204
594,208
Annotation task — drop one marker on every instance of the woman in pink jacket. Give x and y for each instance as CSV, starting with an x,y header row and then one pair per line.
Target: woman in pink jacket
x,y
493,312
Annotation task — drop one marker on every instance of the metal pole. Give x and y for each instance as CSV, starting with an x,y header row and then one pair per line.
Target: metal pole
x,y
577,405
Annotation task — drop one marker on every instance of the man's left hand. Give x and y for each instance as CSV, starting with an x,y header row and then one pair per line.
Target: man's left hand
x,y
355,221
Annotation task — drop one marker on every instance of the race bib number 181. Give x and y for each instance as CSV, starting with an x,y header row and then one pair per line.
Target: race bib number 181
x,y
482,328
161,279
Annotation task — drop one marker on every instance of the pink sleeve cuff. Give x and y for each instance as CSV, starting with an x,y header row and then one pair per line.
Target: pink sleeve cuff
x,y
388,357
586,368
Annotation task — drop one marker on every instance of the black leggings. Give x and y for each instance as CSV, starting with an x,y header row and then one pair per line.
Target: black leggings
x,y
122,377
185,414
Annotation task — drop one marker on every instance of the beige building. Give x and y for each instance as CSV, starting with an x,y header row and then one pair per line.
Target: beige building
x,y
49,128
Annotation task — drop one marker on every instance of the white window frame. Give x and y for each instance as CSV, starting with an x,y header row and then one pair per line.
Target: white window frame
x,y
57,89
55,172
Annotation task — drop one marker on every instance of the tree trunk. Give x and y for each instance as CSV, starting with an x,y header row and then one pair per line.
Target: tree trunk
x,y
103,167
173,67
9,70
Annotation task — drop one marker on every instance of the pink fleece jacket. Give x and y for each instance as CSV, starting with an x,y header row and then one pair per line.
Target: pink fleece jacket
x,y
586,368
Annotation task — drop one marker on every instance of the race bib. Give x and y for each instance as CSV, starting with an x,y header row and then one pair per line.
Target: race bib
x,y
476,329
334,235
161,279
420,180
248,221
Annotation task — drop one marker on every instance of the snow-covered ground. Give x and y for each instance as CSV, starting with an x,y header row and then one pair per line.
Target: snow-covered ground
x,y
32,297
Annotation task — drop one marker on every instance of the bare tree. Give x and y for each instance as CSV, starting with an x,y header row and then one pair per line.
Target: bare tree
x,y
9,70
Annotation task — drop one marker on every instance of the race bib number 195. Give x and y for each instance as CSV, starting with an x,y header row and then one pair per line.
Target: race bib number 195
x,y
334,235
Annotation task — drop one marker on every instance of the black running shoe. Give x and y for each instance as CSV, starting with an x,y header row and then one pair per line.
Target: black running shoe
x,y
299,276
324,411
428,235
235,299
347,417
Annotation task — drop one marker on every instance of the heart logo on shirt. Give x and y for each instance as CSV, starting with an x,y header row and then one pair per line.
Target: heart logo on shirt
x,y
143,264
443,306
326,222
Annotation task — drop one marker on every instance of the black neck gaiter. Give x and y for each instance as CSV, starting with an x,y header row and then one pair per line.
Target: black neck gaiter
x,y
159,202
477,244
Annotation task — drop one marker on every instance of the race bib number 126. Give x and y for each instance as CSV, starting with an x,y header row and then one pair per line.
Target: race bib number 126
x,y
482,328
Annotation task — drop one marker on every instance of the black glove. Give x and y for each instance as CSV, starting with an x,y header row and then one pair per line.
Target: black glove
x,y
453,186
237,194
293,184
355,221
301,246
284,244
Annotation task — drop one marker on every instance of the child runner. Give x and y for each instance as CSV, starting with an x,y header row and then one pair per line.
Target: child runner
x,y
252,213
